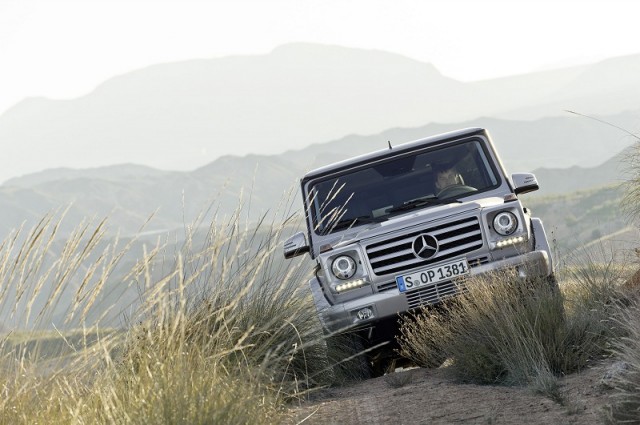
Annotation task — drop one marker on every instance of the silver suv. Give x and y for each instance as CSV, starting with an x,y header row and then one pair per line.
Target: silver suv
x,y
397,229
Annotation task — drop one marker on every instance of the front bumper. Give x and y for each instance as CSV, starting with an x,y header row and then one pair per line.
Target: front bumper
x,y
389,304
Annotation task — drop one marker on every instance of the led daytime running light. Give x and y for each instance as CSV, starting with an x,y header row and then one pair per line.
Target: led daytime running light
x,y
511,241
350,285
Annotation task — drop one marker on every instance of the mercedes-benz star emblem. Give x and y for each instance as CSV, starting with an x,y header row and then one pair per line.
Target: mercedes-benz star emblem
x,y
425,246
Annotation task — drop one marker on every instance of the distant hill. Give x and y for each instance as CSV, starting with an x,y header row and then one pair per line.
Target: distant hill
x,y
553,142
184,115
556,181
112,173
586,211
130,194
581,218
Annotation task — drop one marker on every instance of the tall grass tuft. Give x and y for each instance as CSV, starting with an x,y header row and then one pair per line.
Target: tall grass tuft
x,y
595,298
224,332
625,407
505,330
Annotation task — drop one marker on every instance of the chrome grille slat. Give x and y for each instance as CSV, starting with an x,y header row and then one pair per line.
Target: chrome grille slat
x,y
403,264
458,248
396,255
457,238
407,264
452,228
409,238
391,245
431,294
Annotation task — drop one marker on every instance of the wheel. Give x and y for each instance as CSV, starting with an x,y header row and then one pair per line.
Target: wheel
x,y
349,362
382,360
557,293
548,289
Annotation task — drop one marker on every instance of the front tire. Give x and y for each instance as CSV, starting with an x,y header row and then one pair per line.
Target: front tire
x,y
347,358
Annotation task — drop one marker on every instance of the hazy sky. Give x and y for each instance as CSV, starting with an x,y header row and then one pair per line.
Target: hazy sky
x,y
63,49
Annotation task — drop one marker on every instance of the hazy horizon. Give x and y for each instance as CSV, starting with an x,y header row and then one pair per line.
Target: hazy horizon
x,y
65,50
73,46
183,115
542,67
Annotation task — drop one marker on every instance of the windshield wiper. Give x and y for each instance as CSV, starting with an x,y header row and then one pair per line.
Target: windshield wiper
x,y
420,202
348,222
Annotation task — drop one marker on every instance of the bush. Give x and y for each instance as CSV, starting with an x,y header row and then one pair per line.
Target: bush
x,y
594,301
500,331
511,331
225,333
626,399
247,338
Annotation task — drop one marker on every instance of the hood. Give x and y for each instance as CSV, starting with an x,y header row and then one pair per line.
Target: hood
x,y
417,218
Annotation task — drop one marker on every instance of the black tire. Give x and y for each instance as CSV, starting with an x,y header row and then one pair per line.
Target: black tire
x,y
347,357
549,284
555,290
382,360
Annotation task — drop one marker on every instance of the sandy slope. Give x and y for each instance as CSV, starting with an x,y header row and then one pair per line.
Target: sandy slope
x,y
430,397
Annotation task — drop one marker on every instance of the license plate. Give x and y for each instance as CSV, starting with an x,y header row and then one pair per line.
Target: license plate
x,y
433,275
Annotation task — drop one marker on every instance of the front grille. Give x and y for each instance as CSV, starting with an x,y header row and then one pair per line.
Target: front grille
x,y
432,294
396,254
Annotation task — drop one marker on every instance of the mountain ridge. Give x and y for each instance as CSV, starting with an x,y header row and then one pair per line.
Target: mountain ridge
x,y
130,194
184,114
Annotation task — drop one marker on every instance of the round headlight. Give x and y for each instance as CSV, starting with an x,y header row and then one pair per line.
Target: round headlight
x,y
505,223
344,267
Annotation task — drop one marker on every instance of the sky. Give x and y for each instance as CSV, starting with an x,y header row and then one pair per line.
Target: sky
x,y
64,49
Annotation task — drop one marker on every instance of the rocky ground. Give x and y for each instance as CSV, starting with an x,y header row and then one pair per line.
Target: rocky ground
x,y
429,396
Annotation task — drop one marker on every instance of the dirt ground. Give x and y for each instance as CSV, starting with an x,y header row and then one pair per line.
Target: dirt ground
x,y
428,396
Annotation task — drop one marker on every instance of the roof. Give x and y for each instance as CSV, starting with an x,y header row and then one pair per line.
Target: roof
x,y
394,151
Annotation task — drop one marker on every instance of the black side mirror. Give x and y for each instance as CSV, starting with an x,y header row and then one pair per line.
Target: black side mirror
x,y
524,183
296,245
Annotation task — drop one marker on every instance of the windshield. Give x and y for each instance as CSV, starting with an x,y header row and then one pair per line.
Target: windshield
x,y
398,185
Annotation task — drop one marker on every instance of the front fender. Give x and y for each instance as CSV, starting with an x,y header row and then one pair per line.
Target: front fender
x,y
318,297
540,240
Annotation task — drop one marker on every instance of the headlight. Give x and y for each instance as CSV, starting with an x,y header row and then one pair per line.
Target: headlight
x,y
505,223
344,267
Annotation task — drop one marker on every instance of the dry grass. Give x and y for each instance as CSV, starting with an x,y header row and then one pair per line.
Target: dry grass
x,y
491,335
504,330
626,400
225,332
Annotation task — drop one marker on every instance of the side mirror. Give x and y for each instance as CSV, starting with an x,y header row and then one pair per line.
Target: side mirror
x,y
296,245
524,183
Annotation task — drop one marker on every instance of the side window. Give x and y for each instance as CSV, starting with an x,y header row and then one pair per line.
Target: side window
x,y
468,168
475,169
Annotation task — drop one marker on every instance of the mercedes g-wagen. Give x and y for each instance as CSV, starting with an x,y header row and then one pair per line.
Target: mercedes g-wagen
x,y
397,229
